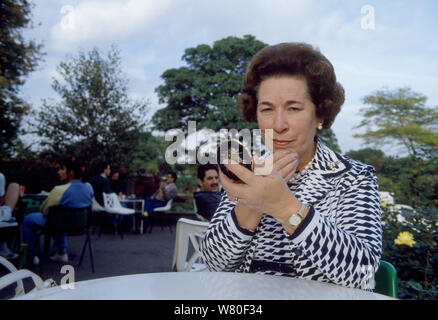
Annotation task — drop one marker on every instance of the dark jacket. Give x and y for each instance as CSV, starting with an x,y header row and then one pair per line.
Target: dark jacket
x,y
207,203
100,185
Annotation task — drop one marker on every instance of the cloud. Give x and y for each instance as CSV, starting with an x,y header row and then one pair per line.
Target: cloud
x,y
101,21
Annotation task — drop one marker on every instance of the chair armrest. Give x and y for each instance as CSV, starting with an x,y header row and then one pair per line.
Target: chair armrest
x,y
17,277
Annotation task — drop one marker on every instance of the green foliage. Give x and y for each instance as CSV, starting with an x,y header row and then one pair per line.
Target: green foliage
x,y
417,266
19,57
150,153
94,118
330,140
206,89
401,116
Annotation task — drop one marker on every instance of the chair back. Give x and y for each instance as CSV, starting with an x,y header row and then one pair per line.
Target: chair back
x,y
17,276
112,204
28,204
166,207
96,207
68,220
188,232
386,279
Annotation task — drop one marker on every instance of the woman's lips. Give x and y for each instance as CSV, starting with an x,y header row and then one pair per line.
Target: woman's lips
x,y
281,143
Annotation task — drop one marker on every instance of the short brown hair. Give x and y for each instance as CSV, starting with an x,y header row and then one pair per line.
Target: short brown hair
x,y
293,59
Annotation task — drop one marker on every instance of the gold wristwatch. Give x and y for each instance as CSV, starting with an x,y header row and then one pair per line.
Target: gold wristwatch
x,y
295,219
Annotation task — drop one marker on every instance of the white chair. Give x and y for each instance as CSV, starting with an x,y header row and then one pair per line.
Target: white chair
x,y
112,206
188,231
17,276
162,211
165,208
96,207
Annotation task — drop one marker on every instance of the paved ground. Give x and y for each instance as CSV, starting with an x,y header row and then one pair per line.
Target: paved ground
x,y
136,253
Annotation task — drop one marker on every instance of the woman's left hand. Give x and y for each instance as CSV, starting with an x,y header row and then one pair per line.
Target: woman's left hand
x,y
264,193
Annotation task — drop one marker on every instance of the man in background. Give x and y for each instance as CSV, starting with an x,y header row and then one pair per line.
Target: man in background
x,y
208,198
100,182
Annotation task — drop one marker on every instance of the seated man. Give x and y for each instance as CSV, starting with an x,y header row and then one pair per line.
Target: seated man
x,y
117,185
208,198
8,201
165,192
100,182
73,194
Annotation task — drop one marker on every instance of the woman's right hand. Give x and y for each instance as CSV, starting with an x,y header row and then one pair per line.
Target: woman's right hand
x,y
280,160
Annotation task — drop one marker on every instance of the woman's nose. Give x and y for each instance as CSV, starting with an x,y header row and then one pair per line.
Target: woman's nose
x,y
280,123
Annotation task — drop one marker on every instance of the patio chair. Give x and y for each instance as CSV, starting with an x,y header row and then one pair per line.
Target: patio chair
x,y
386,279
160,213
70,222
112,206
188,232
17,276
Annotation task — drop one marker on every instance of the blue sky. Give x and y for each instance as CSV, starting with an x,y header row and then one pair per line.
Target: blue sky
x,y
152,35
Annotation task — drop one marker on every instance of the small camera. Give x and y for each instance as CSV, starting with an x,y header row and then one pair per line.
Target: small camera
x,y
235,150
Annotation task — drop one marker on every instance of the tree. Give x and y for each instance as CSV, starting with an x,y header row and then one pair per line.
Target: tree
x,y
330,140
94,118
206,89
370,156
19,57
150,153
401,116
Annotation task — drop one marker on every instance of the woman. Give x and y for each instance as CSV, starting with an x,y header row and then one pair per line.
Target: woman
x,y
317,215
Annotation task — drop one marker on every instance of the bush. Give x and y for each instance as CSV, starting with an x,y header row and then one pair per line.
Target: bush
x,y
416,261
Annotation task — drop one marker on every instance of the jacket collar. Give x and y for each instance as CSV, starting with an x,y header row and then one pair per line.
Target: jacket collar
x,y
322,176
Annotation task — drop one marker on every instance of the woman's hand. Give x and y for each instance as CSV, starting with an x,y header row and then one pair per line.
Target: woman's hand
x,y
264,193
285,162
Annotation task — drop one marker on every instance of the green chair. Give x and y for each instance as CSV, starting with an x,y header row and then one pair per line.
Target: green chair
x,y
386,280
69,222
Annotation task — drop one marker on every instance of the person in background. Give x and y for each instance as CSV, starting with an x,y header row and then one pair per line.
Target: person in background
x,y
100,182
208,198
73,194
8,200
165,192
116,184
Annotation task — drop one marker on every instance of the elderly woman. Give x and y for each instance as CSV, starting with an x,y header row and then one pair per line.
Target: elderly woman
x,y
317,215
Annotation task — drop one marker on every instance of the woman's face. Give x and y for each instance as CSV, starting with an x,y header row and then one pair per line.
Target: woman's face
x,y
285,106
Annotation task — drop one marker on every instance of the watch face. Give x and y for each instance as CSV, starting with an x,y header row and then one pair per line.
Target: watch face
x,y
294,220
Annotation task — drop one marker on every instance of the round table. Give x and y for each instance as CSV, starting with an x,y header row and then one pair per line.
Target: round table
x,y
202,286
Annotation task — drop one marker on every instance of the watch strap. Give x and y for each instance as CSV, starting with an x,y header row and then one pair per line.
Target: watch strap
x,y
300,214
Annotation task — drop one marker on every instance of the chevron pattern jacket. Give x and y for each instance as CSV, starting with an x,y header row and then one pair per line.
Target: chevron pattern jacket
x,y
339,241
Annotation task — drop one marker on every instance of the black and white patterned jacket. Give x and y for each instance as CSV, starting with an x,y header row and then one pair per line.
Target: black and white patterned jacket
x,y
339,241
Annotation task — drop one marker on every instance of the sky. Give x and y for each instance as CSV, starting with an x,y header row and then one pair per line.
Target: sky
x,y
371,44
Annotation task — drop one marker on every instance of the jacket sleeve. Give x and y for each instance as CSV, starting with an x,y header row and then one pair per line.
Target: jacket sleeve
x,y
53,198
171,193
347,249
225,243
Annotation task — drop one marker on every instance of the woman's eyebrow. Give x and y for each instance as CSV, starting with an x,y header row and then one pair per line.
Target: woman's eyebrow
x,y
288,102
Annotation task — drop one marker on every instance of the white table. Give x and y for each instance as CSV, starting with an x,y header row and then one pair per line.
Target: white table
x,y
203,286
4,224
138,206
